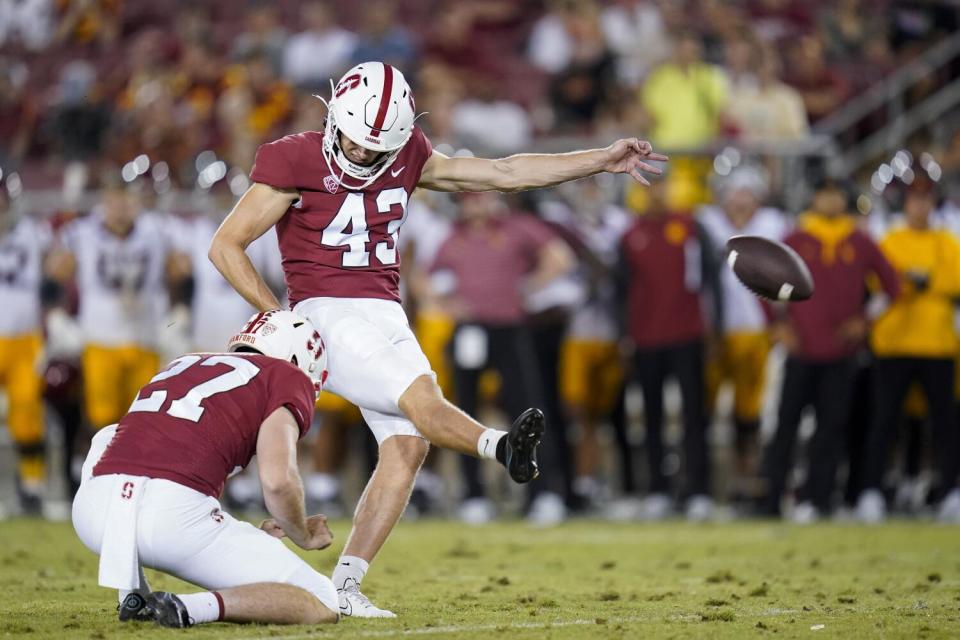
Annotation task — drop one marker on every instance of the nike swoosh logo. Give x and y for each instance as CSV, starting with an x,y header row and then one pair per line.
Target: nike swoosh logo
x,y
398,171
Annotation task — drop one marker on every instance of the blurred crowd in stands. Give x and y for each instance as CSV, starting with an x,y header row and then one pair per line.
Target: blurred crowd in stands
x,y
669,388
93,82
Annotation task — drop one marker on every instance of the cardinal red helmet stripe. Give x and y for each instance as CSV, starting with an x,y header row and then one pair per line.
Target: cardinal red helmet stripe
x,y
384,99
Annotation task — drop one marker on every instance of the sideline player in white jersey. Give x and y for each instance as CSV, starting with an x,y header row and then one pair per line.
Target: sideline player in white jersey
x,y
23,243
120,257
338,198
741,358
216,309
150,484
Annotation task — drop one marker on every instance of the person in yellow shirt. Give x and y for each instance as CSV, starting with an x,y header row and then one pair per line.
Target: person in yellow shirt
x,y
685,97
915,340
686,101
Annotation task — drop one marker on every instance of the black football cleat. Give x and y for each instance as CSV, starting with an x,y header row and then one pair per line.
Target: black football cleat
x,y
167,610
132,608
520,454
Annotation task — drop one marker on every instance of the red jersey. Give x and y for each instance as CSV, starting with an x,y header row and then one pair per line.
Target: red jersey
x,y
841,258
663,259
337,242
198,420
489,261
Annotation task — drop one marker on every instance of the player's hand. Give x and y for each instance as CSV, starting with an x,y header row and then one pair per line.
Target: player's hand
x,y
853,331
320,536
272,527
783,333
631,155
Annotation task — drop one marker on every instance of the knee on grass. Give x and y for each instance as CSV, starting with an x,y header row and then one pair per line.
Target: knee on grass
x,y
320,614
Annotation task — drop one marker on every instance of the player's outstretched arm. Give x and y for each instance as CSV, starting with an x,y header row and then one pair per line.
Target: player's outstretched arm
x,y
282,486
536,170
260,208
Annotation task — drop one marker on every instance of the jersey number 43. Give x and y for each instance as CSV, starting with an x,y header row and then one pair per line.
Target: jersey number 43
x,y
353,215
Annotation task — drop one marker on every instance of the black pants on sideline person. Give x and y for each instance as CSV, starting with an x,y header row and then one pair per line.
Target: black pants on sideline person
x,y
548,331
509,351
827,387
893,377
652,367
621,437
859,419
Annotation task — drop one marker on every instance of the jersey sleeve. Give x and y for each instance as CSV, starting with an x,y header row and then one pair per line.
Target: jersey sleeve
x,y
423,143
273,164
422,147
291,388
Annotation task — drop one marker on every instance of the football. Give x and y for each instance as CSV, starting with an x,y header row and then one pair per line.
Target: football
x,y
770,269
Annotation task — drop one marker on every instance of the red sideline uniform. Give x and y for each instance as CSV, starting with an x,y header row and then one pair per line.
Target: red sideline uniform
x,y
663,296
198,420
337,242
840,270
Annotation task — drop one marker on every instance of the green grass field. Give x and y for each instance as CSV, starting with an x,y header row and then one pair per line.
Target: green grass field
x,y
582,580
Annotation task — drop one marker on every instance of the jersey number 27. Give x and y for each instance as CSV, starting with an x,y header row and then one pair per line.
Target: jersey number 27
x,y
188,406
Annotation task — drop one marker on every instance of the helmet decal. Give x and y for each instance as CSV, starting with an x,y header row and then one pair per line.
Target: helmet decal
x,y
350,82
285,335
384,100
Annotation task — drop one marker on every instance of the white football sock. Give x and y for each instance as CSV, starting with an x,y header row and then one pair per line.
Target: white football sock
x,y
349,567
202,607
487,444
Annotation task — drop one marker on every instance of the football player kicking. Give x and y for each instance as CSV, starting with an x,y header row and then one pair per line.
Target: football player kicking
x,y
148,496
338,199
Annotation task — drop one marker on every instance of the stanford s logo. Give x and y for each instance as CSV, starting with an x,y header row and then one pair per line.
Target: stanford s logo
x,y
127,492
348,83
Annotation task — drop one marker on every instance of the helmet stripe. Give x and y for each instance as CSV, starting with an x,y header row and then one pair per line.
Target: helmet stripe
x,y
384,99
254,324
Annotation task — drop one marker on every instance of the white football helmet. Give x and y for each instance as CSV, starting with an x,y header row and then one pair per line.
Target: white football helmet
x,y
373,106
285,335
